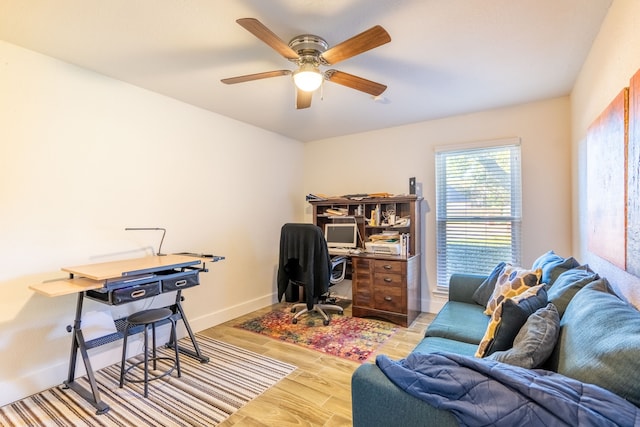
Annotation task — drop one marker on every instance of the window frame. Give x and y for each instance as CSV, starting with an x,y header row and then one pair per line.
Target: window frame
x,y
443,218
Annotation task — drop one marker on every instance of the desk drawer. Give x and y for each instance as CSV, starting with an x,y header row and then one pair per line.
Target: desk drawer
x,y
386,280
384,266
390,298
125,295
172,281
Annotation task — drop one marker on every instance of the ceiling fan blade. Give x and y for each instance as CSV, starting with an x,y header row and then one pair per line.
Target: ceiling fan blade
x,y
257,76
303,99
259,30
355,82
367,40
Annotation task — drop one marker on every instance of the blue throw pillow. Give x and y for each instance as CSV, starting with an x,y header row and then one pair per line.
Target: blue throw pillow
x,y
485,290
568,284
546,258
552,266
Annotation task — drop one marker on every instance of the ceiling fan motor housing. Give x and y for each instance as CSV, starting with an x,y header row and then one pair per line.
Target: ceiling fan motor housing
x,y
309,47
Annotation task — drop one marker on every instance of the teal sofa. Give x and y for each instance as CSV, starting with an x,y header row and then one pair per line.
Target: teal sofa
x,y
598,342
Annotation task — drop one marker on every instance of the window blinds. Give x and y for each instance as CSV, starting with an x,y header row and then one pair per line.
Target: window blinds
x,y
478,209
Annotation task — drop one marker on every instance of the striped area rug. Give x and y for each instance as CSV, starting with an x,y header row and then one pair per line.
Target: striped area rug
x,y
205,395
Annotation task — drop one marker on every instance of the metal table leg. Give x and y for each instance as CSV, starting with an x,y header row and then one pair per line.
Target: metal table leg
x,y
78,344
179,314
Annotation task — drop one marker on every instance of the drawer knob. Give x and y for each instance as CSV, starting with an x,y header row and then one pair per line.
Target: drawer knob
x,y
388,280
389,299
387,267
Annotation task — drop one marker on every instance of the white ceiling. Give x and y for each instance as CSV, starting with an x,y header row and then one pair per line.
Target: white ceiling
x,y
446,57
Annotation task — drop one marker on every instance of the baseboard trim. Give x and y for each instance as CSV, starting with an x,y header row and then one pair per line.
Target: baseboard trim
x,y
228,313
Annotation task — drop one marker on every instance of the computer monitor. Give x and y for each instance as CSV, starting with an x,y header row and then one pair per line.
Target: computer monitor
x,y
341,235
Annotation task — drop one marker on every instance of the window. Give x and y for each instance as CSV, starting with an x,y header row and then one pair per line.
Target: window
x,y
478,204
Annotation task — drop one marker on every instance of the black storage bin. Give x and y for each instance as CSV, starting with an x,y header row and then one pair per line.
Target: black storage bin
x,y
175,280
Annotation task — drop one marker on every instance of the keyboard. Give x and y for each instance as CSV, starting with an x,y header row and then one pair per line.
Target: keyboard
x,y
343,251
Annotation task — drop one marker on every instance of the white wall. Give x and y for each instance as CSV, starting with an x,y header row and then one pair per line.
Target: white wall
x,y
83,156
613,59
383,161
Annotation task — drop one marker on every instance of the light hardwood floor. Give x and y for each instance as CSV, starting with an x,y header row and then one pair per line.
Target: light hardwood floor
x,y
318,392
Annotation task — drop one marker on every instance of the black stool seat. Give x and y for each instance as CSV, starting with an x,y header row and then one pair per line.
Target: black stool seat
x,y
149,318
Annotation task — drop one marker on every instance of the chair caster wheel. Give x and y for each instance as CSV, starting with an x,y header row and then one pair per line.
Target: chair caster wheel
x,y
325,322
294,321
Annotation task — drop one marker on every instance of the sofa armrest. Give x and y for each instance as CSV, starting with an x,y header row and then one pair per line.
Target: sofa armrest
x,y
376,401
462,286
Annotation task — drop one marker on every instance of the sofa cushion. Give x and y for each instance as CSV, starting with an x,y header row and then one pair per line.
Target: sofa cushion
x,y
512,281
459,321
485,290
508,318
568,284
535,340
463,285
599,341
433,344
552,266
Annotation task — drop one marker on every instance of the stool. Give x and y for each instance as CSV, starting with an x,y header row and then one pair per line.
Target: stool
x,y
148,318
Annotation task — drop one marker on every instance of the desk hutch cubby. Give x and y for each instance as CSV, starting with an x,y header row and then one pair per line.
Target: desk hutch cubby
x,y
383,286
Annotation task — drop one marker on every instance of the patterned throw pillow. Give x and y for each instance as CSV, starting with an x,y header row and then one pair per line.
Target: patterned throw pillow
x,y
513,281
508,318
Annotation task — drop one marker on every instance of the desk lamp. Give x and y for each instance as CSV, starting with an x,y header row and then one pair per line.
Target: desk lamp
x,y
164,231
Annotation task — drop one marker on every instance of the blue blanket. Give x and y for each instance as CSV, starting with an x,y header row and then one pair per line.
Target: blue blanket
x,y
480,392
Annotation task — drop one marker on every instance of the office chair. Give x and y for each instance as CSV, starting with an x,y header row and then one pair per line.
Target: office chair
x,y
305,262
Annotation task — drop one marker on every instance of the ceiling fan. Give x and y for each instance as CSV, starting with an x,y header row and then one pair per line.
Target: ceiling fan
x,y
310,52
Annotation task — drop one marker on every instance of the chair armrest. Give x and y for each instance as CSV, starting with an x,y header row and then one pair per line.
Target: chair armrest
x,y
462,286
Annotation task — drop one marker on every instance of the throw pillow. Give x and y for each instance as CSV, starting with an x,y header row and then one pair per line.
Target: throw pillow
x,y
546,258
535,340
485,290
552,266
599,341
512,281
568,284
508,319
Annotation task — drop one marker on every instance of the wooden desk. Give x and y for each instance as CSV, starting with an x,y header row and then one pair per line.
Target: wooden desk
x,y
386,286
92,277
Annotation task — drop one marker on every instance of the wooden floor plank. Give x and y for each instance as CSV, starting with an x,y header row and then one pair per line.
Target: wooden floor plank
x,y
318,392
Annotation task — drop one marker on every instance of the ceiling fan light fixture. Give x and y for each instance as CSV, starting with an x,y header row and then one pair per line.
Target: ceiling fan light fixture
x,y
308,77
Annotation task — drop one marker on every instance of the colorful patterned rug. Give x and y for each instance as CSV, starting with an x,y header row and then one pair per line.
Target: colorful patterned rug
x,y
351,338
